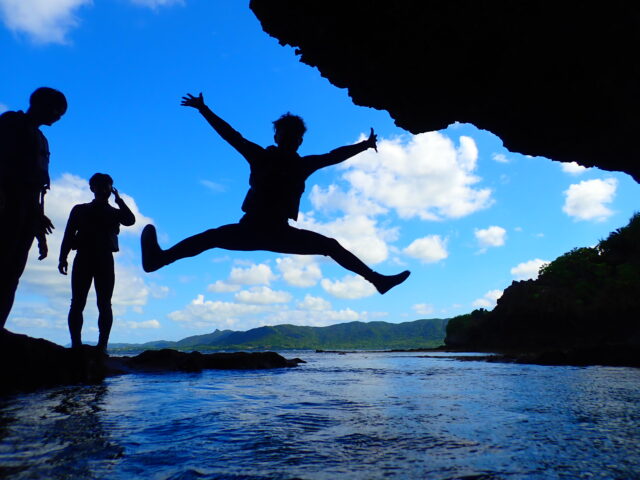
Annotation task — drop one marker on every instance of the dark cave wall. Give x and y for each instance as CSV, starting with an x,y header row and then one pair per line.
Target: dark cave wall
x,y
555,79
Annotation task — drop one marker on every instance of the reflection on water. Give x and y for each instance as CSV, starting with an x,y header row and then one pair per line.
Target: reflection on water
x,y
360,416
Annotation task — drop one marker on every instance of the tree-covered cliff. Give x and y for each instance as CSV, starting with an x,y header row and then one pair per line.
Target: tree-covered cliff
x,y
587,297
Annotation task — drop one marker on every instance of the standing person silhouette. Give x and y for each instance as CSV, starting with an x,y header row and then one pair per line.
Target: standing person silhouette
x,y
24,178
92,230
277,181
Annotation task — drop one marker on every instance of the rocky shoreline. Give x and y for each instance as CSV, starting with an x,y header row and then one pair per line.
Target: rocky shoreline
x,y
32,363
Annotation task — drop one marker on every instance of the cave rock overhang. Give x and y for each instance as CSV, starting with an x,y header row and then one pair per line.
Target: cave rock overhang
x,y
552,79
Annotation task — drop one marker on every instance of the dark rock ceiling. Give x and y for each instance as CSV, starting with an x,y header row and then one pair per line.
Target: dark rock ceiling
x,y
557,79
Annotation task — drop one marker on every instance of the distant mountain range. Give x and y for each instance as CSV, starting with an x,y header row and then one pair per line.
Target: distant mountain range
x,y
343,336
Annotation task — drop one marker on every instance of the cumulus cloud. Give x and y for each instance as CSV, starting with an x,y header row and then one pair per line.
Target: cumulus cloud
x,y
299,270
143,325
49,21
351,287
312,311
492,236
314,303
260,274
44,21
528,270
573,168
427,177
263,295
500,158
489,299
215,314
586,200
223,287
429,249
423,309
359,234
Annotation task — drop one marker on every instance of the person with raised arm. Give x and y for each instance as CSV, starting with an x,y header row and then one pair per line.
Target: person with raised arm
x,y
92,230
276,184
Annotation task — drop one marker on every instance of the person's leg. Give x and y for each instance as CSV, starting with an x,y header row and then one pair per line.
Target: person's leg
x,y
104,281
305,242
15,244
229,237
81,276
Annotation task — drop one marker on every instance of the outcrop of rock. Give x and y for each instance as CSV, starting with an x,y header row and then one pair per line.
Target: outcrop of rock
x,y
554,79
29,363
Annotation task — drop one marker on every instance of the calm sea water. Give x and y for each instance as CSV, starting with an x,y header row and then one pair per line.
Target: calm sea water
x,y
354,416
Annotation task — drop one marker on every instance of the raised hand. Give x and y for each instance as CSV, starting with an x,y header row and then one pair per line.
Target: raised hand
x,y
372,140
190,101
116,194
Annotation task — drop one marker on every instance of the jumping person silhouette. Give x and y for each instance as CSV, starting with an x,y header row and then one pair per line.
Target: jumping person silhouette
x,y
92,230
24,178
277,181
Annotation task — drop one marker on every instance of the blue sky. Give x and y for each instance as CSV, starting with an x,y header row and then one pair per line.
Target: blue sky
x,y
465,215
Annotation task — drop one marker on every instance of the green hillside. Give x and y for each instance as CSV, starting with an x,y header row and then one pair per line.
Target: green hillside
x,y
353,335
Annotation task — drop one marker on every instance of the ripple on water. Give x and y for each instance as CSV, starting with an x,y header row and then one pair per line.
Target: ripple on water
x,y
356,416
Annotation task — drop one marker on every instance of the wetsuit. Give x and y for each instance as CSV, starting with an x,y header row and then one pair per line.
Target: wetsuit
x,y
92,230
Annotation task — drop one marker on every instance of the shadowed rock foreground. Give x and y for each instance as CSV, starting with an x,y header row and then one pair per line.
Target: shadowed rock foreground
x,y
555,79
32,363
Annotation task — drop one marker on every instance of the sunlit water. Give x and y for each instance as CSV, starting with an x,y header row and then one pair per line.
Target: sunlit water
x,y
354,416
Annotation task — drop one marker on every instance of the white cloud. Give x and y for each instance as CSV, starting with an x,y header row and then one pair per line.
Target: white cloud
x,y
317,304
213,186
572,168
428,177
313,311
260,274
223,287
500,158
45,21
423,309
357,233
49,21
489,299
333,198
351,287
492,236
299,270
528,270
586,200
263,295
157,3
144,325
210,314
429,249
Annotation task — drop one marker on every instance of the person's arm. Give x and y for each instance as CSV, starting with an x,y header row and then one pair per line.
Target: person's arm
x,y
125,215
341,154
246,148
67,240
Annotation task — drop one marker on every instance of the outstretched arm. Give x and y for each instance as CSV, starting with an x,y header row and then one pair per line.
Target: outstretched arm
x,y
246,148
341,154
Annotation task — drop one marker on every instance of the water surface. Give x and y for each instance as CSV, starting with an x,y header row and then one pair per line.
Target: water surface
x,y
354,416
